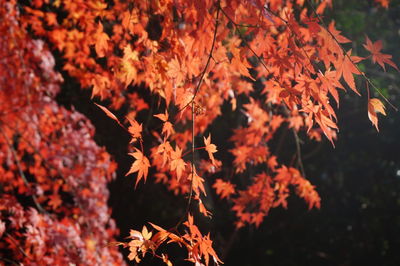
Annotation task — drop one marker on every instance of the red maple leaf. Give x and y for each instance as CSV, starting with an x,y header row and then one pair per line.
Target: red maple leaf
x,y
135,129
377,57
224,189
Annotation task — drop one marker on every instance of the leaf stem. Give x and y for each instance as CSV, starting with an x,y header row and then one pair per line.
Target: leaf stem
x,y
187,152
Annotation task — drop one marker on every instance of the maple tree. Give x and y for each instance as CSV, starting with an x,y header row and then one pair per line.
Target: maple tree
x,y
194,58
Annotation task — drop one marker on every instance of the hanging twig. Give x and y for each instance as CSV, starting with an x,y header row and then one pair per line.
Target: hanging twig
x,y
193,116
14,241
298,150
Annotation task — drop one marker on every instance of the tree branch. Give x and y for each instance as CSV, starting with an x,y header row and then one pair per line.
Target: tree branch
x,y
21,172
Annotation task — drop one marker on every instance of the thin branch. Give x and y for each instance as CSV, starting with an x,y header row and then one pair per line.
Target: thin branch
x,y
298,150
21,172
192,161
193,114
197,148
192,173
9,261
14,241
208,59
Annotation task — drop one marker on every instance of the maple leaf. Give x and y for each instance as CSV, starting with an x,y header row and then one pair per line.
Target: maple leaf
x,y
166,260
197,183
55,201
224,189
162,117
127,69
330,81
210,148
109,114
141,242
347,67
202,209
140,165
240,64
375,106
161,236
176,71
336,33
165,149
168,128
377,56
383,3
135,129
100,83
102,38
177,163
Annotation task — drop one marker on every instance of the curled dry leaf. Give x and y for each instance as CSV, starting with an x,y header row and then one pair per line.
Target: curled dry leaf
x,y
375,106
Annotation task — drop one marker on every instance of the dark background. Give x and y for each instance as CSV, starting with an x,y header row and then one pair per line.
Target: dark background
x,y
358,180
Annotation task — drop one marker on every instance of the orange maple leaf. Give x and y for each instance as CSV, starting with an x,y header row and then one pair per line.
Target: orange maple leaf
x,y
176,71
224,189
109,114
141,243
383,3
197,183
375,106
210,148
140,165
377,57
135,129
336,33
102,38
347,68
168,128
162,117
177,163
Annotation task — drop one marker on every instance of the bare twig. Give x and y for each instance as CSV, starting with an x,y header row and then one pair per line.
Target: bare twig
x,y
9,261
298,150
14,241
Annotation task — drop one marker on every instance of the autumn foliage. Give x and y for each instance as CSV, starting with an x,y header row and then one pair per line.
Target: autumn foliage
x,y
271,64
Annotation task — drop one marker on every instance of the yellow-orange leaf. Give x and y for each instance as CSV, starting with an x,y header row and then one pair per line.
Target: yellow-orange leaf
x,y
177,163
109,114
375,106
162,117
140,165
135,129
102,38
210,148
